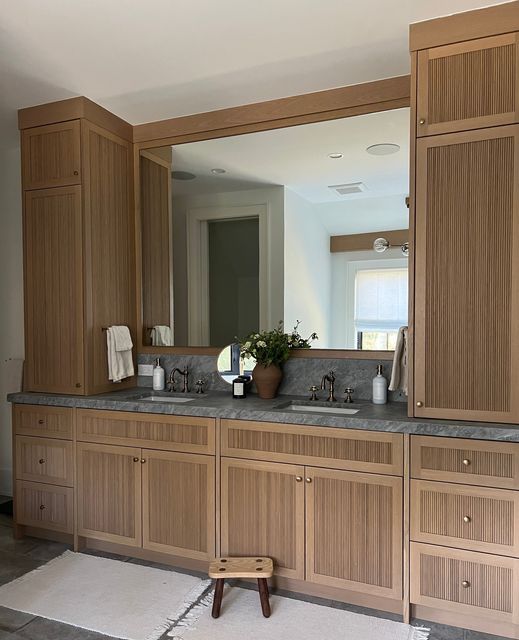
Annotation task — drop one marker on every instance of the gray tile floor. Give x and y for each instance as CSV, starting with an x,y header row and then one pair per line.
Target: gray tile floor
x,y
19,556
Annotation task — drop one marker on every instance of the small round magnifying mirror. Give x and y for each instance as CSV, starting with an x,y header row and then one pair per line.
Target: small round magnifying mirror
x,y
230,364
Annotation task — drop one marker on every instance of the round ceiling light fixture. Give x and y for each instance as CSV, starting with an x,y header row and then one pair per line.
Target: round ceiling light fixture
x,y
182,175
217,171
335,156
384,149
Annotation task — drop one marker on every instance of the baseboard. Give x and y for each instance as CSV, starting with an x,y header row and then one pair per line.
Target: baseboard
x,y
6,482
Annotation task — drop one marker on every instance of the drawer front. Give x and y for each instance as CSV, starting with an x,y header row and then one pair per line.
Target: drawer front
x,y
44,460
172,433
479,462
315,446
466,517
466,582
35,420
44,506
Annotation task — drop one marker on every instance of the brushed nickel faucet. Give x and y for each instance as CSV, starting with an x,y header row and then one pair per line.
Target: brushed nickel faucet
x,y
330,378
185,379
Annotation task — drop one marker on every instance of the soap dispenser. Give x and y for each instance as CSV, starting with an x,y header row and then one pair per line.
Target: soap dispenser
x,y
379,387
158,376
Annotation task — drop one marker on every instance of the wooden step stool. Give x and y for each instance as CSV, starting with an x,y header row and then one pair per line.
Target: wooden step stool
x,y
259,568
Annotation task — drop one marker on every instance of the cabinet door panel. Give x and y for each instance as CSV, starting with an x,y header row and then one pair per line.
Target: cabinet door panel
x,y
467,282
109,493
354,531
51,155
468,85
179,503
53,291
262,513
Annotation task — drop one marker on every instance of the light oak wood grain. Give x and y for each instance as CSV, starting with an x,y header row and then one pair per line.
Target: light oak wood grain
x,y
44,460
38,420
45,506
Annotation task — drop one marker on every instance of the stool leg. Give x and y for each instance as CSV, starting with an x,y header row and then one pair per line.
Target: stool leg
x,y
218,595
264,596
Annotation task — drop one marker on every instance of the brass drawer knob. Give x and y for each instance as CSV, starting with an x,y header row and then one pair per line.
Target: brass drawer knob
x,y
466,462
465,584
41,460
41,421
466,518
42,507
299,479
419,404
136,459
76,173
309,480
421,121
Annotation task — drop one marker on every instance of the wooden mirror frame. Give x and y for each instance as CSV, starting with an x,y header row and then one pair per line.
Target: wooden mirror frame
x,y
343,102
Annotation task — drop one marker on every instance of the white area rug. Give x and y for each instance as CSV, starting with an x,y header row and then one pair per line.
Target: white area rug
x,y
116,598
241,618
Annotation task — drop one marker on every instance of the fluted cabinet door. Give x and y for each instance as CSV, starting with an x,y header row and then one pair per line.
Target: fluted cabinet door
x,y
354,531
262,513
53,263
467,276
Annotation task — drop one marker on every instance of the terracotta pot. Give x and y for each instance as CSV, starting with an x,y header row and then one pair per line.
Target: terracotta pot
x,y
267,380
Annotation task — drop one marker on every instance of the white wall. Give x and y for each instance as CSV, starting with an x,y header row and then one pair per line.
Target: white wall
x,y
307,269
273,198
11,297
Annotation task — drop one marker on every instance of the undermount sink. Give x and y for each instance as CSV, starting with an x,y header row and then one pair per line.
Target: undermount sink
x,y
163,398
317,408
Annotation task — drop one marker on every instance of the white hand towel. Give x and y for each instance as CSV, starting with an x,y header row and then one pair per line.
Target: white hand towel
x,y
399,372
161,336
120,361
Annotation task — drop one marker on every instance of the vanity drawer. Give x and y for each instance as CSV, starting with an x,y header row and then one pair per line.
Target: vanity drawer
x,y
37,420
480,462
465,582
44,506
473,518
171,433
349,449
44,460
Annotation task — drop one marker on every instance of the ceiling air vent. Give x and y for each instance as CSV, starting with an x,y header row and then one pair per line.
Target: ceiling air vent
x,y
348,189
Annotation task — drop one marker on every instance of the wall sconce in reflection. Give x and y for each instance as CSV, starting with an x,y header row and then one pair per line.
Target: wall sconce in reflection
x,y
381,244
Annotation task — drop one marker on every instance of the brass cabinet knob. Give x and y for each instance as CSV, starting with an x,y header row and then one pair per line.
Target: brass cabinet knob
x,y
41,421
421,121
419,403
76,173
466,462
41,460
465,584
78,385
299,479
309,480
42,507
136,459
143,460
466,518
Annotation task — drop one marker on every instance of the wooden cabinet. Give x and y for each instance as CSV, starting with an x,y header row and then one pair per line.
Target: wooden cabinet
x,y
178,503
109,493
38,420
79,252
354,531
44,460
44,506
51,155
467,275
263,513
53,260
468,85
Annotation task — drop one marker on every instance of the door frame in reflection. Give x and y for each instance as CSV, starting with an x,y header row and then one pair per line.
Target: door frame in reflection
x,y
198,264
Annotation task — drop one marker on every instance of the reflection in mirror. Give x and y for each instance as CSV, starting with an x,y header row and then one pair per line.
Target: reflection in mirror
x,y
230,364
307,222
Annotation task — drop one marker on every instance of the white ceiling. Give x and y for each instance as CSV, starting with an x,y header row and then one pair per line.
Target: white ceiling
x,y
297,157
153,59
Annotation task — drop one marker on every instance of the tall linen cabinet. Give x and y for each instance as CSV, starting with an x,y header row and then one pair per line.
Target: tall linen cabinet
x,y
79,243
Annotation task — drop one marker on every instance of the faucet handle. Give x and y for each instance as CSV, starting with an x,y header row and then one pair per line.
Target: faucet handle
x,y
348,391
314,389
199,384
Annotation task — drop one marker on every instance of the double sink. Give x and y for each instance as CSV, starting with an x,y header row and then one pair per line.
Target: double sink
x,y
296,406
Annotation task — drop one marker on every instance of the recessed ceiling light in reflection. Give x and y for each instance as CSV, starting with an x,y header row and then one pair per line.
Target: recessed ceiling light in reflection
x,y
182,175
217,171
335,156
384,149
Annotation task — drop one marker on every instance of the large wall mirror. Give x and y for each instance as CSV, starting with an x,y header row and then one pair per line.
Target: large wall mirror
x,y
243,232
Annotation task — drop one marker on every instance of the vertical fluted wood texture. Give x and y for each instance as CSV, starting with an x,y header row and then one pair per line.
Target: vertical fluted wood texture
x,y
469,223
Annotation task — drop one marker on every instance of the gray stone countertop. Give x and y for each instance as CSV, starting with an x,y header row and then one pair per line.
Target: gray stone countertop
x,y
391,417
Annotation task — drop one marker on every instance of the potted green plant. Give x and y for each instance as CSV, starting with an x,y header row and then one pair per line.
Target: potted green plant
x,y
270,350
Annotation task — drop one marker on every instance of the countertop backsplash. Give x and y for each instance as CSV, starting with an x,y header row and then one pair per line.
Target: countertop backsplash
x,y
299,374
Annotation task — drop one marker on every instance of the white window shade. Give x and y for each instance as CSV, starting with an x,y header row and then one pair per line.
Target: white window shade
x,y
380,299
